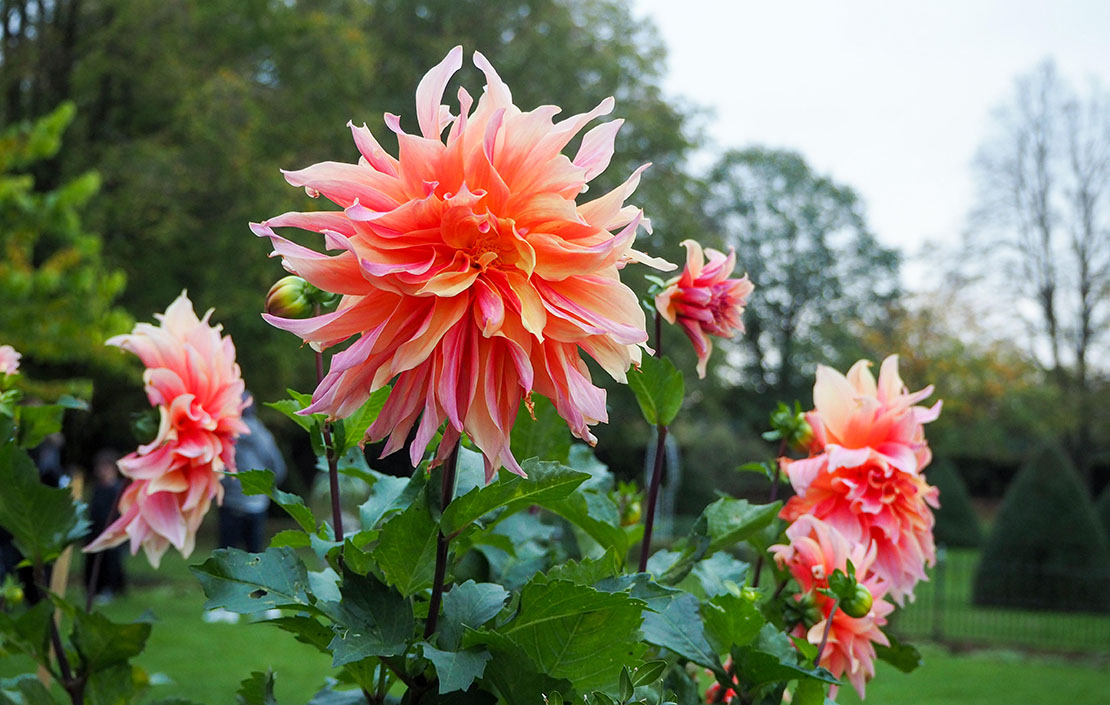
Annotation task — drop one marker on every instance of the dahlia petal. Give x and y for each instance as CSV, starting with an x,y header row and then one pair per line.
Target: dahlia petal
x,y
429,93
597,148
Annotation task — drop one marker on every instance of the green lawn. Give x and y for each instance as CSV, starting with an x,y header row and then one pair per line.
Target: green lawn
x,y
207,661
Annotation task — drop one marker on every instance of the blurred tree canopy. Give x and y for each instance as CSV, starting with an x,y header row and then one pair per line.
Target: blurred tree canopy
x,y
57,292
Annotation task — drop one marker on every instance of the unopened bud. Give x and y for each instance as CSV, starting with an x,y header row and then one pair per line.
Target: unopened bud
x,y
859,604
289,298
803,433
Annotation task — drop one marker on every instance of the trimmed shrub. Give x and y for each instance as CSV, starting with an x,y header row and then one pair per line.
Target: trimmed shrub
x,y
1047,550
1102,509
957,524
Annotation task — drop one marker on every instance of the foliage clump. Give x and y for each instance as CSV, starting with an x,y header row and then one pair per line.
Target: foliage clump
x,y
957,524
1047,549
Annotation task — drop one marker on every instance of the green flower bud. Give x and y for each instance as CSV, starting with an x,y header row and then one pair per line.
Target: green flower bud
x,y
289,298
859,604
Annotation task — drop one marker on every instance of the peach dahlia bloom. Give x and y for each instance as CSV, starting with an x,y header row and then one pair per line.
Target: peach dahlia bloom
x,y
865,476
816,549
704,300
192,377
470,277
9,360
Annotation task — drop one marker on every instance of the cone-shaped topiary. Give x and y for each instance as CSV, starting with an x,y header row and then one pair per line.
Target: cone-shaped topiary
x,y
1047,550
957,524
1102,509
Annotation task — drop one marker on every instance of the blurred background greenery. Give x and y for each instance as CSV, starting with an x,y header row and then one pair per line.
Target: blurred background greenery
x,y
139,137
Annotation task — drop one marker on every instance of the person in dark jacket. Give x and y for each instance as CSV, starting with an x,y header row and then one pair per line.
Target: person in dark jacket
x,y
108,579
243,517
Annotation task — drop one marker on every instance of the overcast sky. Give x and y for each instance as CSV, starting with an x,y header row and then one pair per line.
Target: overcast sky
x,y
891,98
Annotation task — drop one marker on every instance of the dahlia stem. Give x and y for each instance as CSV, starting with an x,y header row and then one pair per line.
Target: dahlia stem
x,y
74,688
774,496
329,451
657,469
825,636
448,489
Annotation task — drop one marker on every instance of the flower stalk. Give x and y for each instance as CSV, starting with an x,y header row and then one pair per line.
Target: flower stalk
x,y
442,543
825,636
657,469
329,451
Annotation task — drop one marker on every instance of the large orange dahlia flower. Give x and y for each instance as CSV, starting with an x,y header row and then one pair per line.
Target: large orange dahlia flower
x,y
864,476
192,377
468,273
815,551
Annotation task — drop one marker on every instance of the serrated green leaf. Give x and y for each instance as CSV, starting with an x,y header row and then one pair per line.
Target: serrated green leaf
x,y
294,538
38,422
42,520
111,685
29,632
370,620
659,389
290,408
545,437
456,670
679,627
406,549
729,520
469,604
103,643
546,483
252,582
710,575
588,571
575,632
905,657
24,690
305,630
809,692
511,673
258,689
389,494
731,621
598,516
350,431
260,481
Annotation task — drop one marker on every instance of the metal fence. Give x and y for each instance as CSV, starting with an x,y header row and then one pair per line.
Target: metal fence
x,y
944,609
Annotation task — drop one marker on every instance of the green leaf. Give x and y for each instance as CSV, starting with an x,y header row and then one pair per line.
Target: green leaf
x,y
258,689
259,481
251,582
711,575
456,670
103,643
511,673
24,690
575,632
773,658
649,673
38,422
731,621
905,657
29,632
589,571
659,389
729,520
679,627
290,407
469,604
387,495
294,538
545,437
598,516
370,620
546,483
41,519
305,630
809,692
406,550
626,684
112,685
350,431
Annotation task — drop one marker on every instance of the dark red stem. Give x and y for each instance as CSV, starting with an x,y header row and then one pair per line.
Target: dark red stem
x,y
442,543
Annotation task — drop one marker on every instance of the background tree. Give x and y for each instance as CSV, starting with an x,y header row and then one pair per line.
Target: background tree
x,y
1043,214
58,296
818,268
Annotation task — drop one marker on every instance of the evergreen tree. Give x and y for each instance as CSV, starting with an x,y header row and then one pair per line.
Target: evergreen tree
x,y
1047,549
957,524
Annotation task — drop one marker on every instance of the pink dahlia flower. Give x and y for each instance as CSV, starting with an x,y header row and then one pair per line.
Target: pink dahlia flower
x,y
9,360
469,275
816,549
704,300
193,379
865,476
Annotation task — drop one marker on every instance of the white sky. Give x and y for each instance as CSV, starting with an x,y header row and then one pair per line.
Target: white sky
x,y
891,98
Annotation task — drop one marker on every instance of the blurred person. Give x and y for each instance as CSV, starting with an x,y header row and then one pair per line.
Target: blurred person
x,y
243,517
108,579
